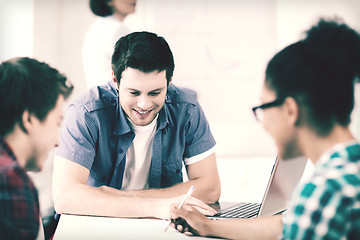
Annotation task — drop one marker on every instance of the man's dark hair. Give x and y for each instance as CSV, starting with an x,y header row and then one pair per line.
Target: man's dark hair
x,y
101,8
319,72
28,85
143,51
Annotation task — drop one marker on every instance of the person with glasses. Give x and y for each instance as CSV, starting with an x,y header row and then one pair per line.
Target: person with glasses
x,y
308,97
259,110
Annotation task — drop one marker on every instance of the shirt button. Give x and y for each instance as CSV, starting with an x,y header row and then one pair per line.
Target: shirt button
x,y
177,171
120,150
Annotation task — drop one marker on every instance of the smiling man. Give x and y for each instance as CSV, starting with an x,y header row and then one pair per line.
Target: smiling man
x,y
124,143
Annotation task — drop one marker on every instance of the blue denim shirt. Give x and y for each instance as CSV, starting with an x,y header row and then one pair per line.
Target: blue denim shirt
x,y
97,136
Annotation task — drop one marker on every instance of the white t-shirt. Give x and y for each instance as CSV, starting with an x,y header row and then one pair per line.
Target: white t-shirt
x,y
98,48
139,154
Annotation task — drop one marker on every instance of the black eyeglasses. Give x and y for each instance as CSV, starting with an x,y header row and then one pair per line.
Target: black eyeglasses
x,y
257,110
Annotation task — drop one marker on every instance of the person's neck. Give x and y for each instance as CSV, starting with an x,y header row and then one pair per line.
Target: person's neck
x,y
314,146
119,16
19,144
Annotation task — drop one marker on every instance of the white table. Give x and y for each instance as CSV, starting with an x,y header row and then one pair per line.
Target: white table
x,y
241,179
88,227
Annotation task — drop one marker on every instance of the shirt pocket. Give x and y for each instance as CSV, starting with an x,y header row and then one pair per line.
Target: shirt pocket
x,y
99,177
171,173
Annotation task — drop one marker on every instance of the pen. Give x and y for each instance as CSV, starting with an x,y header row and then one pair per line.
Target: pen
x,y
188,194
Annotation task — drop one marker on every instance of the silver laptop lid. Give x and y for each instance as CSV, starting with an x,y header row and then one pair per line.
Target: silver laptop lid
x,y
285,177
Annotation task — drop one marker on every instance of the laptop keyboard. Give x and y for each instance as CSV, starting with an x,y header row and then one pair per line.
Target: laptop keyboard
x,y
244,210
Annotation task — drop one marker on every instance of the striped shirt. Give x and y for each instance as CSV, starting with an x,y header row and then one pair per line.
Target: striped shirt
x,y
328,205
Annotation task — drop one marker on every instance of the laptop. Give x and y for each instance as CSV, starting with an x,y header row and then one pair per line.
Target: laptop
x,y
285,177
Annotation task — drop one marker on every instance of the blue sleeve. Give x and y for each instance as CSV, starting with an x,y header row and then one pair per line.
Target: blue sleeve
x,y
199,138
79,137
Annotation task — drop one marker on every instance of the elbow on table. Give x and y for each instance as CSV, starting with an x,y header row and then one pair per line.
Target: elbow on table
x,y
213,193
216,194
59,206
61,202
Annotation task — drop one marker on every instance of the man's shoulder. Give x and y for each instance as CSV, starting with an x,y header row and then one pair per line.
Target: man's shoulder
x,y
177,94
97,98
5,160
6,163
13,173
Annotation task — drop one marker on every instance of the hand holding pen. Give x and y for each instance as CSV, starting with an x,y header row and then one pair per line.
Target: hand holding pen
x,y
188,194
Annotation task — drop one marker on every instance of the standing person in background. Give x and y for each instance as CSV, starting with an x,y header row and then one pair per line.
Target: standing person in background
x,y
31,110
308,97
101,38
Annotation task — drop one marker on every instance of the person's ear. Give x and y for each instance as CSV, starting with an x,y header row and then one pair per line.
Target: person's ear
x,y
114,80
113,77
25,123
110,3
292,110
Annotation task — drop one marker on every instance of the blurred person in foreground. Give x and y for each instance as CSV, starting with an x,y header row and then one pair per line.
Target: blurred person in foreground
x,y
32,95
307,100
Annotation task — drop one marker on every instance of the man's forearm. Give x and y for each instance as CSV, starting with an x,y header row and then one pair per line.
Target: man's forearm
x,y
72,194
105,201
206,192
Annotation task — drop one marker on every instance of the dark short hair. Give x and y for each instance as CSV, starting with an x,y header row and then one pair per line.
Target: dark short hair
x,y
319,72
144,51
101,8
28,85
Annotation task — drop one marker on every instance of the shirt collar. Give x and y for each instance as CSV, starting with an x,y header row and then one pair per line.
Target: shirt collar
x,y
121,125
7,149
164,112
335,149
124,128
163,117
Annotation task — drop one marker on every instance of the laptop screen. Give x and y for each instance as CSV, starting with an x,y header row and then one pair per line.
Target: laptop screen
x,y
284,179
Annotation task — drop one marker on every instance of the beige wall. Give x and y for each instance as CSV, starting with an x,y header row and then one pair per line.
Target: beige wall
x,y
220,47
59,29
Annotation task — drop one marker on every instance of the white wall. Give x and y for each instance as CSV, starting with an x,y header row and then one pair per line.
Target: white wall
x,y
16,28
59,29
220,50
220,47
